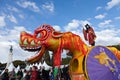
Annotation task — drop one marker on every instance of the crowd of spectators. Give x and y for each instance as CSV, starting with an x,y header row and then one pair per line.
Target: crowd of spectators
x,y
35,73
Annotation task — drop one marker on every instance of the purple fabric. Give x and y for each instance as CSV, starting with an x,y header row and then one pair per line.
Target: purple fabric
x,y
97,71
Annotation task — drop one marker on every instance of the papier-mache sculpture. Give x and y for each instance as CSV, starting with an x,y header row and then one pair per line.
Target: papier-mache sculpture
x,y
87,63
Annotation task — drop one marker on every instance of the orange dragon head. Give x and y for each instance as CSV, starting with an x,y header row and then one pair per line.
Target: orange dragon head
x,y
43,39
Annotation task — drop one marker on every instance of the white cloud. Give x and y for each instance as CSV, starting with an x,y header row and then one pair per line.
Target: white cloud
x,y
11,8
21,16
117,17
103,24
56,27
100,16
104,37
84,22
11,37
12,18
107,37
30,5
14,33
2,21
98,8
48,6
74,24
112,3
18,53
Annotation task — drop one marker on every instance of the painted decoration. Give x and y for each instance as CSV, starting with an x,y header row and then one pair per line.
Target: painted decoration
x,y
102,64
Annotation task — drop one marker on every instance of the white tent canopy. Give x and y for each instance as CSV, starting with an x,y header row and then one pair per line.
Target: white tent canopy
x,y
46,66
27,67
39,65
18,67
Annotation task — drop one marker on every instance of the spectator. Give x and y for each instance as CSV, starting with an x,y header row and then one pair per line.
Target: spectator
x,y
5,75
40,72
30,70
34,75
27,75
66,73
19,74
45,74
51,75
12,75
24,73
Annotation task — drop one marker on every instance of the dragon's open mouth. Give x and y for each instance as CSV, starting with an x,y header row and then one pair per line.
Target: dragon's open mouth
x,y
32,49
29,43
40,51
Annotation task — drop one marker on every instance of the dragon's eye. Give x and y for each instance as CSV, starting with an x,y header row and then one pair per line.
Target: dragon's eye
x,y
38,35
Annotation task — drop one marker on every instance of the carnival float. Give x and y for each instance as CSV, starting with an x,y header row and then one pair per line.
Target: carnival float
x,y
87,63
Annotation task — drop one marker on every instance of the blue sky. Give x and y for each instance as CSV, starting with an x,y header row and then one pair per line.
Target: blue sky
x,y
63,15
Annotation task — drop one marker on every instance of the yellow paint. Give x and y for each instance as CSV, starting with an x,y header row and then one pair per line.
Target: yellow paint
x,y
104,59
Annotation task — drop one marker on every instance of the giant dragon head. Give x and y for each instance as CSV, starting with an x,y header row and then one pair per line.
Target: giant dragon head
x,y
44,38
